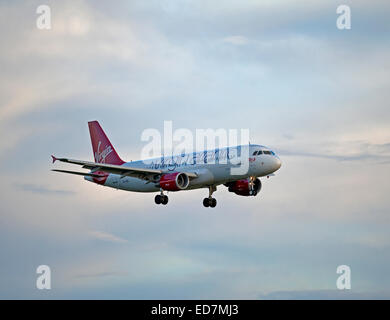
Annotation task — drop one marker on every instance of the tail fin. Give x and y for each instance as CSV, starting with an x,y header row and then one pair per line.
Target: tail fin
x,y
103,150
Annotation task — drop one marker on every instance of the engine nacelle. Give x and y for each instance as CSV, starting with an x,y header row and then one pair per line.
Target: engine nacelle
x,y
174,181
244,187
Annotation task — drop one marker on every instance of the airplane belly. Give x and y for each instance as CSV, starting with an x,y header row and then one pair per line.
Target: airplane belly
x,y
130,184
205,177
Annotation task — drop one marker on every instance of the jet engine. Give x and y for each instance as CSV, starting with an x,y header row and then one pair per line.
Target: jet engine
x,y
174,181
245,187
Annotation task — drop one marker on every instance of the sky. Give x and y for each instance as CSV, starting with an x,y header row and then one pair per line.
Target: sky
x,y
316,95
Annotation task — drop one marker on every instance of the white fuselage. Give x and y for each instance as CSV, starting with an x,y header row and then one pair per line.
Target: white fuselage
x,y
213,168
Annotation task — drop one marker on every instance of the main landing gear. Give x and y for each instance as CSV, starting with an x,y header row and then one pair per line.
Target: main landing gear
x,y
210,201
161,198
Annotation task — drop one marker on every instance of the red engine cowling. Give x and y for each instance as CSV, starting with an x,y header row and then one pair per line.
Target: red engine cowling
x,y
245,187
174,181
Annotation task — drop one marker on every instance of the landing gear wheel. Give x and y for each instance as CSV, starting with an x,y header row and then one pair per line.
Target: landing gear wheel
x,y
164,200
157,199
210,202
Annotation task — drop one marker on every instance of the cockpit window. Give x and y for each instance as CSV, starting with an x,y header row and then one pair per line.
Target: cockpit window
x,y
273,153
256,153
267,152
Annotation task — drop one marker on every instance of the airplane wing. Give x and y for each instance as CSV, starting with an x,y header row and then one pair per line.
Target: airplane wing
x,y
141,173
85,174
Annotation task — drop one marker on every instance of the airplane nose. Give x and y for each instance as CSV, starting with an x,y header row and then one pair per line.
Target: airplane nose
x,y
278,163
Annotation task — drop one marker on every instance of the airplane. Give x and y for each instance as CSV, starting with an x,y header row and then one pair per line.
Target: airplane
x,y
187,171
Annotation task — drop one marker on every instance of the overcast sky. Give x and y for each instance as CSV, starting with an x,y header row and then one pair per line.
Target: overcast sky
x,y
318,96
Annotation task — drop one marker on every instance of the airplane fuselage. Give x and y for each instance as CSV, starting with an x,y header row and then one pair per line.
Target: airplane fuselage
x,y
213,167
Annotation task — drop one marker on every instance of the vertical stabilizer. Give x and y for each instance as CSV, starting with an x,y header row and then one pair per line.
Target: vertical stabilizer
x,y
103,151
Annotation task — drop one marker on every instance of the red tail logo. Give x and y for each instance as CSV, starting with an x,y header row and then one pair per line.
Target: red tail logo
x,y
103,150
101,156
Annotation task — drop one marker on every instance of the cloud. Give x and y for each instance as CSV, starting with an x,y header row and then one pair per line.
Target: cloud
x,y
104,236
272,66
43,190
357,157
338,150
100,274
325,295
236,40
